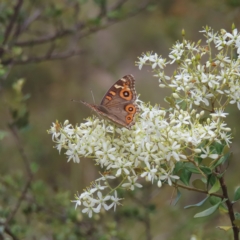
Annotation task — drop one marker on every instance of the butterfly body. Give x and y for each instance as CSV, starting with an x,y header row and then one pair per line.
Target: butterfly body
x,y
118,104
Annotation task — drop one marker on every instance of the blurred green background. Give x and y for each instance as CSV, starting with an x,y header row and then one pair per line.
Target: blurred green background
x,y
107,54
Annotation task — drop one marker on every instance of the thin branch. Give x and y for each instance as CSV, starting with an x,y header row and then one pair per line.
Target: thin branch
x,y
29,172
81,26
8,231
12,21
15,209
21,150
230,208
30,19
46,57
47,38
198,190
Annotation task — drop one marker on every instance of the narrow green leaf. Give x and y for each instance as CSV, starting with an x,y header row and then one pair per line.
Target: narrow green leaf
x,y
207,161
208,211
225,228
217,148
197,204
215,187
177,197
197,183
225,150
206,170
185,176
190,167
237,215
3,134
214,200
222,160
237,194
178,166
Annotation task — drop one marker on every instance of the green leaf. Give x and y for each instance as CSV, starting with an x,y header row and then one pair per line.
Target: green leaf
x,y
34,167
170,101
208,211
237,194
190,167
215,187
178,166
237,215
214,200
185,176
217,148
225,228
222,160
211,180
225,150
206,170
3,134
197,183
207,161
197,204
177,197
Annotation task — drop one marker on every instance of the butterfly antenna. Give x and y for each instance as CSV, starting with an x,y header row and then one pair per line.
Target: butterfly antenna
x,y
93,97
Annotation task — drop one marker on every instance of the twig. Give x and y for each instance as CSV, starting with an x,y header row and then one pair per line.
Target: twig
x,y
12,21
8,231
198,190
46,38
52,56
29,172
230,208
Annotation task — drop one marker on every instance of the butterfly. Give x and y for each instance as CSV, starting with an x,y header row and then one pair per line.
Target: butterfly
x,y
119,103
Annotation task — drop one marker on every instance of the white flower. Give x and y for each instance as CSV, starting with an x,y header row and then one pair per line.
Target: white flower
x,y
121,166
219,113
115,201
208,154
101,201
157,61
132,183
150,173
77,201
89,208
167,176
142,61
72,153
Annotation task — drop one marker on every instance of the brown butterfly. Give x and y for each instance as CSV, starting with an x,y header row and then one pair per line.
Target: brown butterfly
x,y
118,104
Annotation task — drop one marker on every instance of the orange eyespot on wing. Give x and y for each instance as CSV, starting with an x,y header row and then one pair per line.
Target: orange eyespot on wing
x,y
130,108
129,118
126,93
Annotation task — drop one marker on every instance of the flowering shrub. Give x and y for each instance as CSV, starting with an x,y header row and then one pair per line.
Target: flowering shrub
x,y
166,146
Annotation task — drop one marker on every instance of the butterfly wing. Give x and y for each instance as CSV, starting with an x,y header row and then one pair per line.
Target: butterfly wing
x,y
118,104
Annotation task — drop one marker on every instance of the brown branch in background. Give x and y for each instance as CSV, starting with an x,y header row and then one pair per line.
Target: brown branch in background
x,y
12,21
80,27
20,199
29,173
8,231
230,208
30,19
197,190
46,57
46,38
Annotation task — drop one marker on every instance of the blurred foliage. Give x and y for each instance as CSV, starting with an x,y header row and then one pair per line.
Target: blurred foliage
x,y
35,182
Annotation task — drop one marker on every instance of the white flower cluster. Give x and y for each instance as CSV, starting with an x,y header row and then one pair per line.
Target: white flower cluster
x,y
160,138
202,78
149,151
